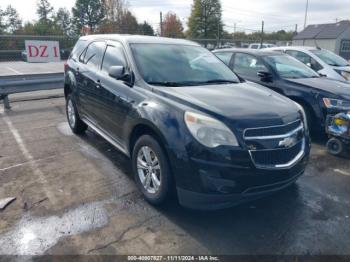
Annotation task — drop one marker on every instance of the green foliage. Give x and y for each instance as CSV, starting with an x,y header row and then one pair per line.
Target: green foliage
x,y
44,11
63,21
90,13
2,21
281,35
205,20
146,29
128,24
9,20
40,28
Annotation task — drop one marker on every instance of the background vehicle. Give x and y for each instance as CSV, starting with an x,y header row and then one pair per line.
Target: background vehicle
x,y
259,46
338,130
185,120
289,77
320,60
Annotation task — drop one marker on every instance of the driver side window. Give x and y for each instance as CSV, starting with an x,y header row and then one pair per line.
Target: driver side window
x,y
114,56
245,64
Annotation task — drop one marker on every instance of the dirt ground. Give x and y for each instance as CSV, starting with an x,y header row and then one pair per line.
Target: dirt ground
x,y
75,195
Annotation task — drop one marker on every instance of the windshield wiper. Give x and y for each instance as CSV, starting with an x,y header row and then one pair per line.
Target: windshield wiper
x,y
166,83
219,81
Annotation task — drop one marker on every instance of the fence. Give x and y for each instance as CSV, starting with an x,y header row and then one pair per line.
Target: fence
x,y
12,47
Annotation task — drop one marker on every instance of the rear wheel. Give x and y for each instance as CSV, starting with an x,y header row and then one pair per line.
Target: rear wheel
x,y
151,170
74,121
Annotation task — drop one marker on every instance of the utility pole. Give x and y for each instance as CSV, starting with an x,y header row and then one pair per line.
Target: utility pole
x,y
262,33
306,13
218,44
161,24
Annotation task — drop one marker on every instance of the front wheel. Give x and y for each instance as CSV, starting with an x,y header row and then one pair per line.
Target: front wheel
x,y
151,170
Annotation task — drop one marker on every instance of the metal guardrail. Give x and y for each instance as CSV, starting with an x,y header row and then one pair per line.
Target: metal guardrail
x,y
28,83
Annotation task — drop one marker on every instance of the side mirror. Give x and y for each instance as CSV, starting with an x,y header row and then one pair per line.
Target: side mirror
x,y
120,73
116,72
265,76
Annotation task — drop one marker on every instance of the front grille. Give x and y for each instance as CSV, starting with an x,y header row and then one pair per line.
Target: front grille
x,y
277,157
277,146
272,131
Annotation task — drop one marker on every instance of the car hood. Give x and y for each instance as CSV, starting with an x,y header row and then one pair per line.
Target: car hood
x,y
243,105
337,88
342,68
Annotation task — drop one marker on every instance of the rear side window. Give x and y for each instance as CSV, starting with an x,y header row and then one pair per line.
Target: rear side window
x,y
92,56
114,56
225,57
78,48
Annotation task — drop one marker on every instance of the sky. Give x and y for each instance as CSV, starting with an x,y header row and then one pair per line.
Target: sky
x,y
245,14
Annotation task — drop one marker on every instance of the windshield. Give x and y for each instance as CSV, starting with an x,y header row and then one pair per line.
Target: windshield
x,y
180,65
330,58
288,67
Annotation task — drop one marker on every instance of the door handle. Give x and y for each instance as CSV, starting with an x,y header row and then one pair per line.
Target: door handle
x,y
98,84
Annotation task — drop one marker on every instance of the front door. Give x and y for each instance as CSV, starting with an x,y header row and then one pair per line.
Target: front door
x,y
114,100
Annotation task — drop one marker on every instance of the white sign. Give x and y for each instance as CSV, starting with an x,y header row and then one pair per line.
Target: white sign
x,y
42,51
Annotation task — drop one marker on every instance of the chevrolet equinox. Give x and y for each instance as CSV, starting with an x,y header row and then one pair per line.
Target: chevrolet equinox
x,y
189,124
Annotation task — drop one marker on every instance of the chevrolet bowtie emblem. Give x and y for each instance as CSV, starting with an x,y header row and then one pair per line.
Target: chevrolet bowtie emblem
x,y
288,142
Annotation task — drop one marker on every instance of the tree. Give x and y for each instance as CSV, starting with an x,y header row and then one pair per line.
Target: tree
x,y
12,21
128,24
63,21
44,11
172,26
146,29
89,13
115,9
2,21
205,20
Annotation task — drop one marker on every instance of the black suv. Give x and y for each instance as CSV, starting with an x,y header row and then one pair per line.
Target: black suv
x,y
319,96
185,119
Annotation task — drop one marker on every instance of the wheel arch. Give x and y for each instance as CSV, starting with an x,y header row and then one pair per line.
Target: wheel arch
x,y
146,128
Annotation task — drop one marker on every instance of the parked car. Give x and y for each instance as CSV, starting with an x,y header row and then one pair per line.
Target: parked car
x,y
260,46
185,119
289,77
320,60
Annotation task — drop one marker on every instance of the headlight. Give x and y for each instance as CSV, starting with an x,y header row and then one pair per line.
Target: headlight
x,y
209,131
303,114
344,74
336,103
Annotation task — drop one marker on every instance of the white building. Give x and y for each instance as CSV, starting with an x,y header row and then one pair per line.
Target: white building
x,y
333,37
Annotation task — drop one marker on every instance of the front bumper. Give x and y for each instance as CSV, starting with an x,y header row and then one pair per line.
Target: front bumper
x,y
225,176
203,201
225,186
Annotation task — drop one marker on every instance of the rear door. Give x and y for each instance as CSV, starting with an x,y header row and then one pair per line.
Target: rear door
x,y
89,89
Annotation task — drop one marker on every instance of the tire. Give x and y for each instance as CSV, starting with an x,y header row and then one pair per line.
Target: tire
x,y
335,147
74,121
151,170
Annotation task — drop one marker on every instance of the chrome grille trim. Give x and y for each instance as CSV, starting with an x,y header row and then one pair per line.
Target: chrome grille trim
x,y
290,163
